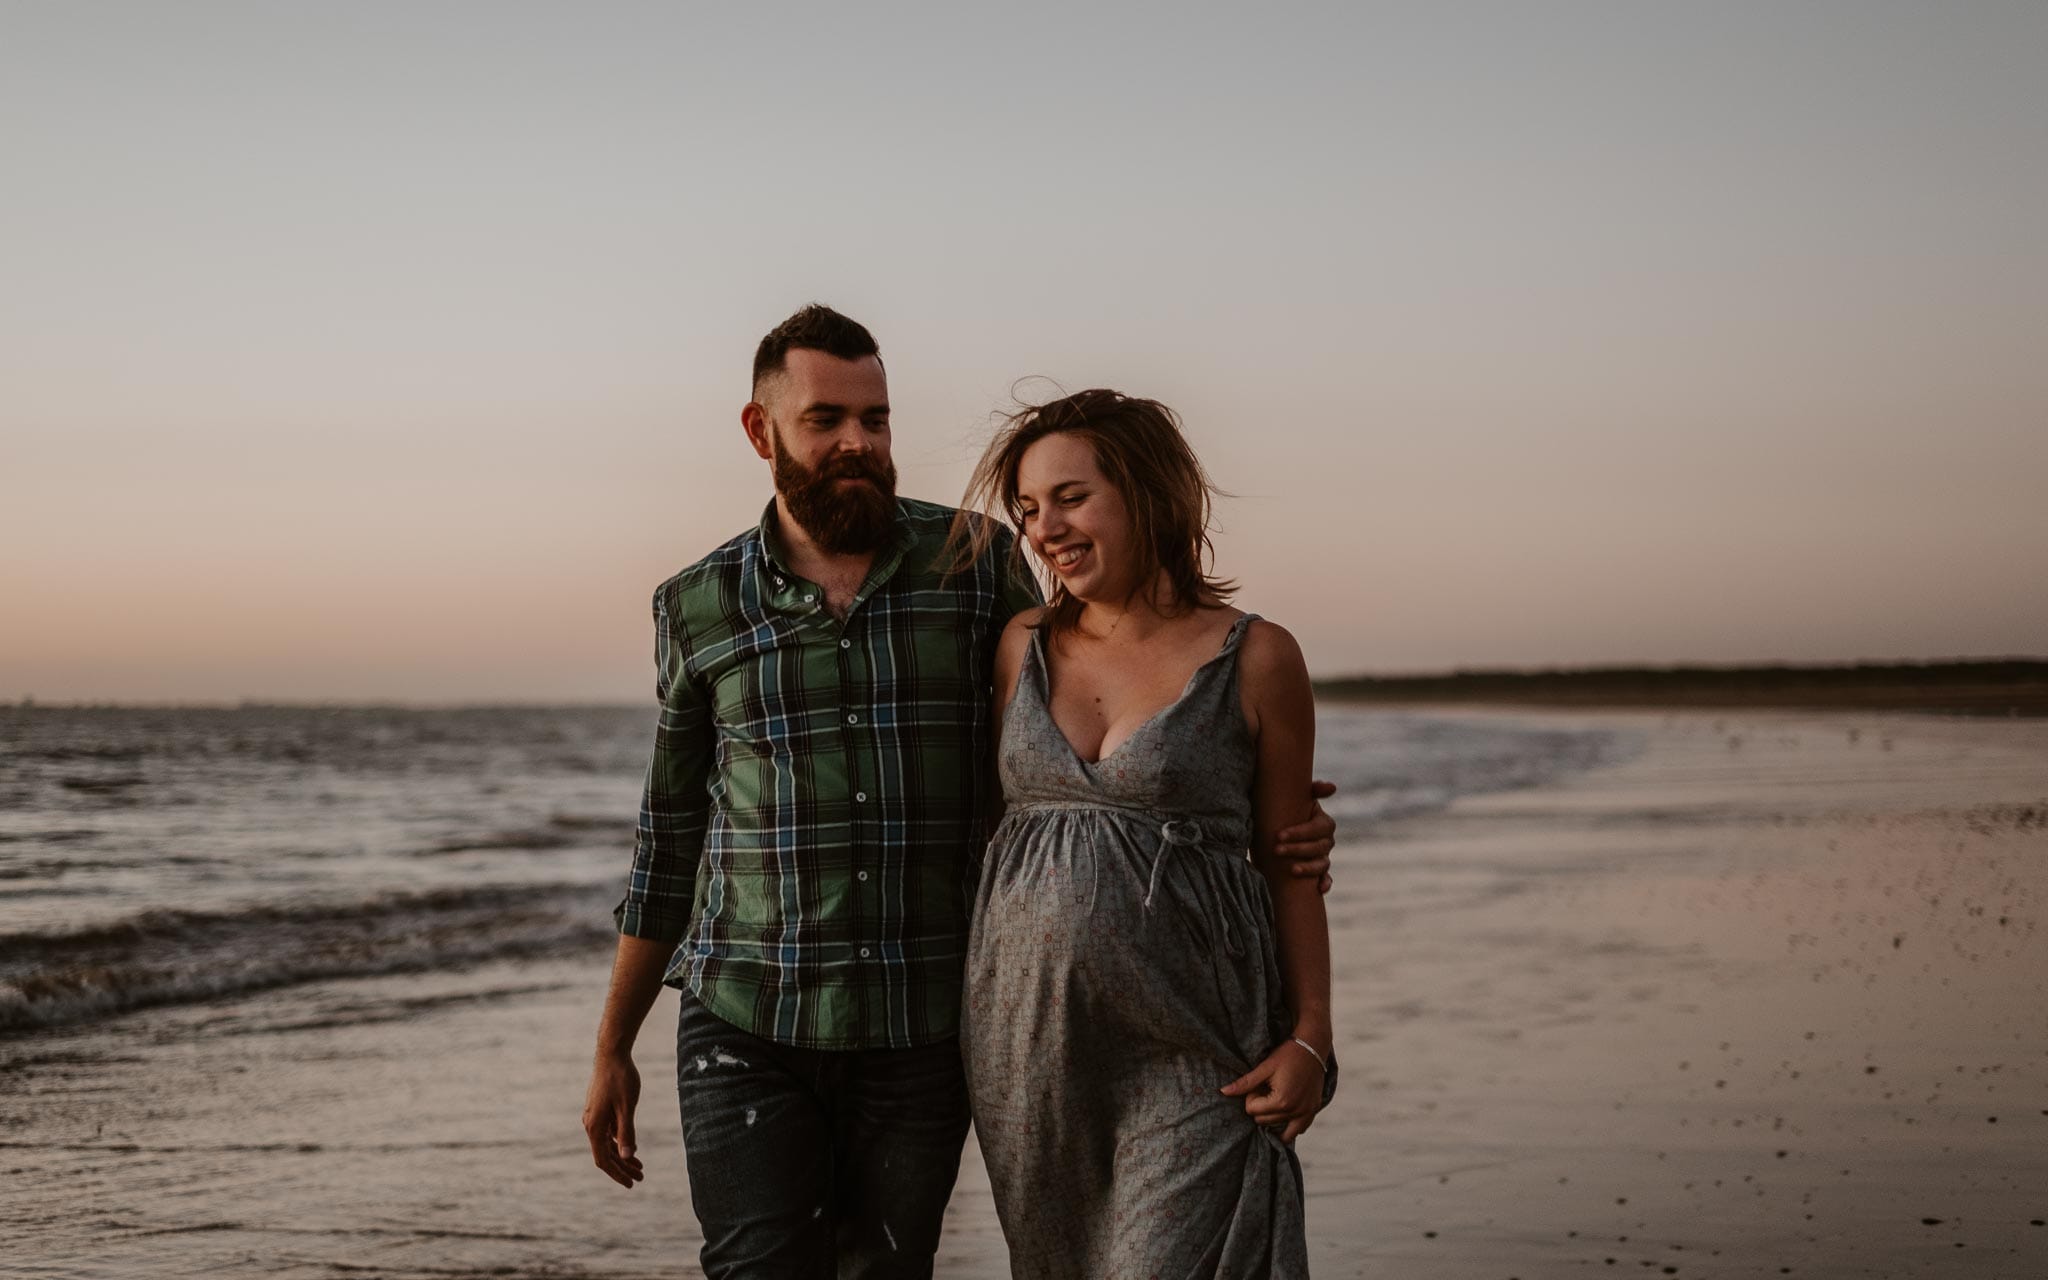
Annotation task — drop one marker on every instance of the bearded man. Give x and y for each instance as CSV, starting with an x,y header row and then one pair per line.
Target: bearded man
x,y
820,789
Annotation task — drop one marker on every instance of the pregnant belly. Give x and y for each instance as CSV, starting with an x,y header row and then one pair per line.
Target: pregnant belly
x,y
1065,917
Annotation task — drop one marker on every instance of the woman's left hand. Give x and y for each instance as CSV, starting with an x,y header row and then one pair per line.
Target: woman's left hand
x,y
1283,1092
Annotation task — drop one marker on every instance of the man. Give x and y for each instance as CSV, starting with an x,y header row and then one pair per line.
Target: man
x,y
819,791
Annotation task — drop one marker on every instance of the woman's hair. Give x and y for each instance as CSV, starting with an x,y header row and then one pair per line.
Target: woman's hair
x,y
1139,447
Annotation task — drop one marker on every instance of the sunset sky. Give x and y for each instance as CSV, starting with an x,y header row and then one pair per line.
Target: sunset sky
x,y
386,351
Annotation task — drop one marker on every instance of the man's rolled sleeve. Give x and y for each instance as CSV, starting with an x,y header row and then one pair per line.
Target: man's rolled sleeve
x,y
675,806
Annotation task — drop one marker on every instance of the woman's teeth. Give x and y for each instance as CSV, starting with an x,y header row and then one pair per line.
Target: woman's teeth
x,y
1068,558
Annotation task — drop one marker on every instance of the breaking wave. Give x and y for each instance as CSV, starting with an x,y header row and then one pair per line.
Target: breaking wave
x,y
178,957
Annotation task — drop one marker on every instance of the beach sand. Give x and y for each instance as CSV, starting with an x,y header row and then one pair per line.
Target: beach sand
x,y
1768,998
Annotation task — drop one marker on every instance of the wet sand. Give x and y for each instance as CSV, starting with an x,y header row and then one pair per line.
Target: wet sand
x,y
1771,998
1768,1000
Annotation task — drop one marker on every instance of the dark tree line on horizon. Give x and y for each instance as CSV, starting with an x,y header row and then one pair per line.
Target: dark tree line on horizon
x,y
1998,686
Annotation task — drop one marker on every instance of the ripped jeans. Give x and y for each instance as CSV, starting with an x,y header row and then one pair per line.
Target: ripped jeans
x,y
816,1164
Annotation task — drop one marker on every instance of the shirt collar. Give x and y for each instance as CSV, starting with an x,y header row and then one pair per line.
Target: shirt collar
x,y
772,550
775,556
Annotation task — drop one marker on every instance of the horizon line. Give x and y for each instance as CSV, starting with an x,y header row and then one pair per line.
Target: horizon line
x,y
1865,666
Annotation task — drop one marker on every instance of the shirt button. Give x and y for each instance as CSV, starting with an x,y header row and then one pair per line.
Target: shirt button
x,y
865,953
810,598
778,582
853,719
846,644
860,875
861,796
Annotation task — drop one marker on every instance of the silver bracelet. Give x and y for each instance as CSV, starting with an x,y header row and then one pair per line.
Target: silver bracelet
x,y
1313,1054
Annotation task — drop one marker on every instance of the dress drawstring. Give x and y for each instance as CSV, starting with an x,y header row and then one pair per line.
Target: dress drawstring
x,y
1179,831
1186,833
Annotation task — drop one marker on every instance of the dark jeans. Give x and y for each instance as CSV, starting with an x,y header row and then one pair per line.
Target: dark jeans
x,y
810,1164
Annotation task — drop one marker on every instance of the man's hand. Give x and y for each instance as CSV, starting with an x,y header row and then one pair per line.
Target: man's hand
x,y
608,1117
1307,845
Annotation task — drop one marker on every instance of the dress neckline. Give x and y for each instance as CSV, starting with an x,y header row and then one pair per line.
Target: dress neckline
x,y
1231,639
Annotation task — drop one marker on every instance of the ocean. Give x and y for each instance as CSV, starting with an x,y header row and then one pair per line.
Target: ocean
x,y
154,857
312,992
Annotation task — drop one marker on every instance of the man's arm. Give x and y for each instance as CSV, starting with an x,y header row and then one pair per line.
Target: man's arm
x,y
637,970
675,806
655,914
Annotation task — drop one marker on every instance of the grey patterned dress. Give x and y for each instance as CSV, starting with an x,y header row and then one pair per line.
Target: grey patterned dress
x,y
1121,971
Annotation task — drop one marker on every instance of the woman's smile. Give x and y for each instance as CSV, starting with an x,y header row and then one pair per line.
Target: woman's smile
x,y
1066,560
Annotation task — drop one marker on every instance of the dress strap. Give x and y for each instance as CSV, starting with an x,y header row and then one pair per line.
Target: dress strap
x,y
1237,632
1226,656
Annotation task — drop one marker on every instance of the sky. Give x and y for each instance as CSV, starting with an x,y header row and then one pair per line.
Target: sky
x,y
396,352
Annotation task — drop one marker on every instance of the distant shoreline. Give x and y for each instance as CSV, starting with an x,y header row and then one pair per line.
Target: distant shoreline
x,y
1977,687
1996,687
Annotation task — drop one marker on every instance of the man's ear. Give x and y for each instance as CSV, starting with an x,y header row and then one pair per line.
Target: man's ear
x,y
754,421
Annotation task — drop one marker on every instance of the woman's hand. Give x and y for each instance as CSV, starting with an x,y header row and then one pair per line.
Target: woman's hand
x,y
1283,1092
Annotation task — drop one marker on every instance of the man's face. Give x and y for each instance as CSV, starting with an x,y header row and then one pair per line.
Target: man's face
x,y
827,433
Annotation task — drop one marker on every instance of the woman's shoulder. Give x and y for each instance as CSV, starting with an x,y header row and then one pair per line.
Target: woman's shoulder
x,y
1272,680
1017,633
1269,654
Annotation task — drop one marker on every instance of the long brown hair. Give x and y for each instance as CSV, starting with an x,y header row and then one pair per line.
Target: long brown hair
x,y
1139,447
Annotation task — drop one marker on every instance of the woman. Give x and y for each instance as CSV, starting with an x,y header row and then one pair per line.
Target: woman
x,y
1147,1021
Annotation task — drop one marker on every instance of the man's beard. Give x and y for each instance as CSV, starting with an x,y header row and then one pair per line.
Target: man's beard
x,y
848,520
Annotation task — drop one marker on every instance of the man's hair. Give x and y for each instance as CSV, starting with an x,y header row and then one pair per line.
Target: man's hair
x,y
813,328
1139,447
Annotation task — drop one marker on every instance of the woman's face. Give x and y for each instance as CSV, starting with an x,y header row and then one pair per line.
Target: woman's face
x,y
1075,520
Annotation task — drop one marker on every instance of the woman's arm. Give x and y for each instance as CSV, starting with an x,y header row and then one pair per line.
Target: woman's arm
x,y
1286,1089
1009,661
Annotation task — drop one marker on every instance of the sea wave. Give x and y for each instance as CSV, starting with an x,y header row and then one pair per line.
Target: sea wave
x,y
562,831
1393,765
455,798
179,957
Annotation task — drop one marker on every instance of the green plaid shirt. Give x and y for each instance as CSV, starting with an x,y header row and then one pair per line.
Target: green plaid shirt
x,y
814,810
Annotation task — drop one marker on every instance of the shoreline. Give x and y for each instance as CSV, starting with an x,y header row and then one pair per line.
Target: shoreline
x,y
1952,687
1742,1003
1990,702
2000,687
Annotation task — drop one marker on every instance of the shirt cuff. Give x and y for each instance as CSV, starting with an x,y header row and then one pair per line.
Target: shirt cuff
x,y
640,919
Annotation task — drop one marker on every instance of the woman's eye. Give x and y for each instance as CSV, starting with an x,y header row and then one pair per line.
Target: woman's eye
x,y
1073,501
